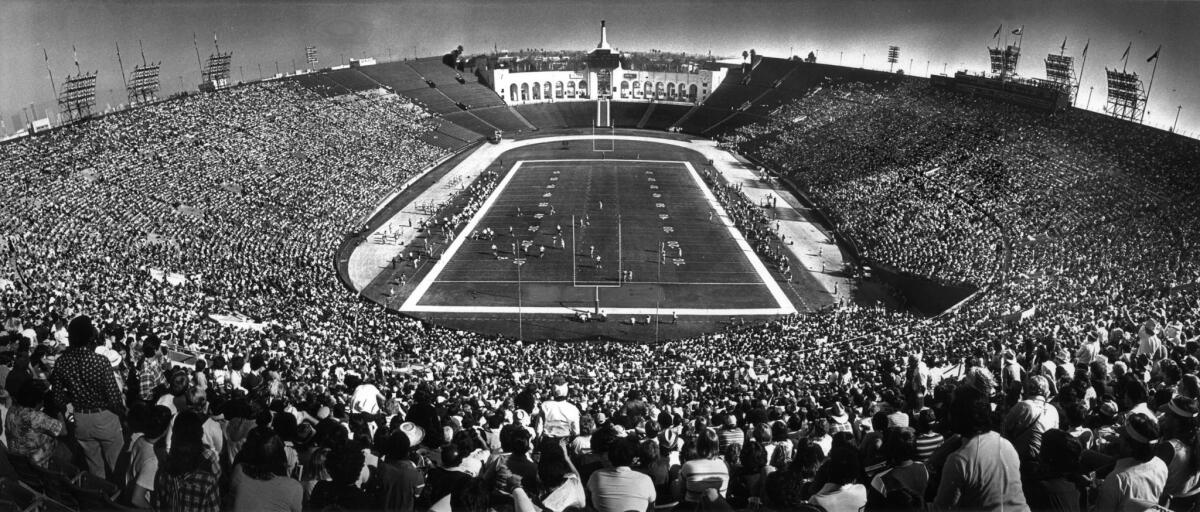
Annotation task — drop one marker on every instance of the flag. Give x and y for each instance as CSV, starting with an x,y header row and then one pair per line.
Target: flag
x,y
997,34
1085,47
47,55
1155,56
1064,46
1016,31
1126,54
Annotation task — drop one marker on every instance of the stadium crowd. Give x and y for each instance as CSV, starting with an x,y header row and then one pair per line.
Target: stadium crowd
x,y
1072,384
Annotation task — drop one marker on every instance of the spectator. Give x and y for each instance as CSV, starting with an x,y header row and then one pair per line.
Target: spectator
x,y
186,479
1057,483
1138,477
151,369
706,471
143,454
792,487
1178,451
902,486
260,480
401,481
928,440
619,488
559,417
1030,418
348,472
441,481
82,380
984,473
841,491
29,430
731,434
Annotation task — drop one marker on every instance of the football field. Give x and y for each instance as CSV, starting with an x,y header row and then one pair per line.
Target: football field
x,y
632,238
619,236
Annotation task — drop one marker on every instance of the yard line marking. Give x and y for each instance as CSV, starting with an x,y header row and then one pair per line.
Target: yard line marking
x,y
411,304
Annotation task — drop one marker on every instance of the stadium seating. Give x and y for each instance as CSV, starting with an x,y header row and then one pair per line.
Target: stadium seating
x,y
353,80
469,121
322,84
564,114
1076,230
665,115
501,117
397,75
470,93
627,114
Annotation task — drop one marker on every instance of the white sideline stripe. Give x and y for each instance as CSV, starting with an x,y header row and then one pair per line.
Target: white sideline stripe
x,y
410,304
781,300
785,306
562,310
635,283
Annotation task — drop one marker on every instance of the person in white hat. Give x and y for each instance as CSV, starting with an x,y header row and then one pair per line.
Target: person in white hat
x,y
560,418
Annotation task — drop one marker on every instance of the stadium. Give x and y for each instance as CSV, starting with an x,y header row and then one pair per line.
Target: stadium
x,y
597,279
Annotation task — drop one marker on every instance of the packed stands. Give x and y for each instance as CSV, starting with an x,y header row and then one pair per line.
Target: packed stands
x,y
322,84
1072,376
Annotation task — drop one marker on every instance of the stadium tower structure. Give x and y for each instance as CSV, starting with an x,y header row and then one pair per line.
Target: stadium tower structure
x,y
143,82
601,63
78,94
215,73
1004,58
1060,71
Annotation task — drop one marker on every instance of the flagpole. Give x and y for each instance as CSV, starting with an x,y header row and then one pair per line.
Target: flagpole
x,y
1126,57
1151,86
196,46
1079,81
53,87
121,64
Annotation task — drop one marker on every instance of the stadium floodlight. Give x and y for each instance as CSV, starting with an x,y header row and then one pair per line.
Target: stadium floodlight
x,y
893,56
310,54
1060,71
1126,100
78,96
1004,60
143,83
216,70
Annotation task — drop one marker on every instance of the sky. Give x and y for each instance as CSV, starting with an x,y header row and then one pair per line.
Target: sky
x,y
932,34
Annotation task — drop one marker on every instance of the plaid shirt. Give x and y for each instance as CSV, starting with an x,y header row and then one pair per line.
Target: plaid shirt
x,y
150,376
194,492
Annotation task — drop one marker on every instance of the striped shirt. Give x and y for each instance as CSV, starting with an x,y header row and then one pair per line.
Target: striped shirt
x,y
731,436
927,444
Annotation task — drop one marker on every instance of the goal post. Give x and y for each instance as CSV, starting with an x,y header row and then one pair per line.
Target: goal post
x,y
575,282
